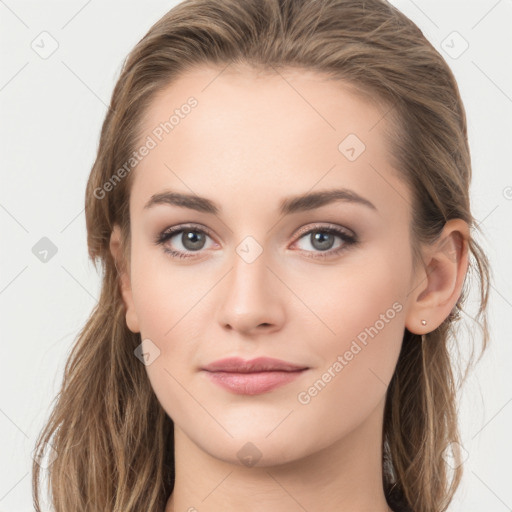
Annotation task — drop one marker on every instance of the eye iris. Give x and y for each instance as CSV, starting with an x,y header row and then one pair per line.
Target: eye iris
x,y
322,241
192,240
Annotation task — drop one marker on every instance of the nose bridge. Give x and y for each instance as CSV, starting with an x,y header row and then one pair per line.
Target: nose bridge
x,y
249,278
250,298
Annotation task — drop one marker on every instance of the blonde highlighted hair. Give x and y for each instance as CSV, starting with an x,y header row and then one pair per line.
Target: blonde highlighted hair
x,y
114,441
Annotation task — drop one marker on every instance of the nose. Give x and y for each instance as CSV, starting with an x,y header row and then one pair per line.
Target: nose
x,y
251,297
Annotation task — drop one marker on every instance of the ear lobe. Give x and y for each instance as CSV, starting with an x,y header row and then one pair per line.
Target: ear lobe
x,y
123,272
441,280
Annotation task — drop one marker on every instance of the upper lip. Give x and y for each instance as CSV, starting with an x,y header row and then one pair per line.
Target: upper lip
x,y
260,364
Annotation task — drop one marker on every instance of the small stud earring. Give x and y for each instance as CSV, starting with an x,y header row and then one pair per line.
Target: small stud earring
x,y
423,322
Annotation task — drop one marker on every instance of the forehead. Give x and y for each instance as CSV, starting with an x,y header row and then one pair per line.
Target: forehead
x,y
252,130
228,98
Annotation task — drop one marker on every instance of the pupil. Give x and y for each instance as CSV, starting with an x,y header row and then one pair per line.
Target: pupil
x,y
192,240
322,241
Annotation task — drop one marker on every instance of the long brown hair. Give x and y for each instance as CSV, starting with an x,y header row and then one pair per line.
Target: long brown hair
x,y
112,439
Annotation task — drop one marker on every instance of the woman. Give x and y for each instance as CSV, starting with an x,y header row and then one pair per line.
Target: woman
x,y
280,206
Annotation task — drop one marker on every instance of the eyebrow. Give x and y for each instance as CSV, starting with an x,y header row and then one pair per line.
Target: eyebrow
x,y
308,201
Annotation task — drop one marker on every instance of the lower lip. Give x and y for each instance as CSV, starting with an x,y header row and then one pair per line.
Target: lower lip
x,y
253,383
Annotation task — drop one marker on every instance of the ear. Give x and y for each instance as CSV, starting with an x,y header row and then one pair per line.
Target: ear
x,y
123,272
439,282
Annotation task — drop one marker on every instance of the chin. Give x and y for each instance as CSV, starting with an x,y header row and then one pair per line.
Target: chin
x,y
255,450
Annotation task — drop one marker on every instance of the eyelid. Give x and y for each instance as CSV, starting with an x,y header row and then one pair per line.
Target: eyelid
x,y
325,226
182,227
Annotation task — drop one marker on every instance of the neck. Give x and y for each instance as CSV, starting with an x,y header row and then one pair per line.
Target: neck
x,y
345,476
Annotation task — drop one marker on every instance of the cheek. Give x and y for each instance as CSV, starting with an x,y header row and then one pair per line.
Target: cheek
x,y
345,302
162,292
164,298
362,313
359,359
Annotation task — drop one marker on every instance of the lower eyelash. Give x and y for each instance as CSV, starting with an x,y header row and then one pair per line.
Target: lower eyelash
x,y
176,254
348,240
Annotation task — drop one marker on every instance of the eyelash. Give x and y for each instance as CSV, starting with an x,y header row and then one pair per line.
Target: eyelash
x,y
348,240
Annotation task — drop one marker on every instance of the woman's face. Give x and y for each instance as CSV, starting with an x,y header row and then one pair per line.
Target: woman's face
x,y
322,283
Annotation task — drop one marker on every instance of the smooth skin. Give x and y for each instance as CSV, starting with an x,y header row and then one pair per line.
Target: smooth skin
x,y
252,141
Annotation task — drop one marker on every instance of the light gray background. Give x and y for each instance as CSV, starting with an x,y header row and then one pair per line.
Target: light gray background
x,y
51,115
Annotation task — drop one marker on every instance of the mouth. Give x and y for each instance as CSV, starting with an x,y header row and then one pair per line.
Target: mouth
x,y
253,377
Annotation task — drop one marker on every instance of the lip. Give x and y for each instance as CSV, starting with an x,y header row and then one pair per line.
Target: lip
x,y
252,377
260,364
